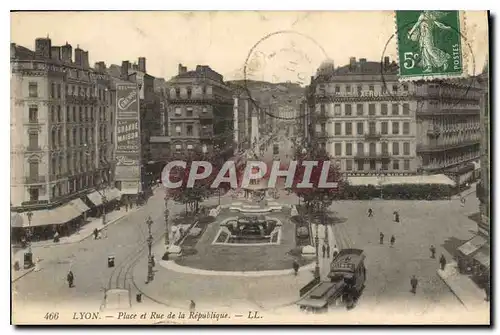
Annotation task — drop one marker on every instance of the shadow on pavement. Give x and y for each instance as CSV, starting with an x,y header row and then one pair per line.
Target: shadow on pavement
x,y
451,245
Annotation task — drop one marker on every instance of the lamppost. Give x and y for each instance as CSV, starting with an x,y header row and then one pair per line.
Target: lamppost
x,y
28,232
316,242
149,240
167,213
325,203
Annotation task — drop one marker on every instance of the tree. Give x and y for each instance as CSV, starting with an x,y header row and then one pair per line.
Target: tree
x,y
314,196
201,190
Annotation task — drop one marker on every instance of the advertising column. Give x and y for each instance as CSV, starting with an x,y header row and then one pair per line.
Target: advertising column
x,y
128,140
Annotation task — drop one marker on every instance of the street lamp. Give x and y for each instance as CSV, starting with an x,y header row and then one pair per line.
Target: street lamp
x,y
28,232
326,201
167,213
316,242
149,240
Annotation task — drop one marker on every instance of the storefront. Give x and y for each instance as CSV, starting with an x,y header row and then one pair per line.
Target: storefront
x,y
103,200
474,256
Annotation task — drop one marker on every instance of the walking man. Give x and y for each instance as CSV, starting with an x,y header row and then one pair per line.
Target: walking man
x,y
370,212
335,251
462,201
381,238
414,284
323,248
192,306
393,239
442,261
328,251
433,251
70,278
96,233
295,266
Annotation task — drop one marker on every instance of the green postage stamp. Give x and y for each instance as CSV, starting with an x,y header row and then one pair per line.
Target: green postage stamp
x,y
430,44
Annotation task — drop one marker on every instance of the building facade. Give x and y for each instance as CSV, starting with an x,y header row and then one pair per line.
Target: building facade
x,y
483,188
200,112
61,130
373,124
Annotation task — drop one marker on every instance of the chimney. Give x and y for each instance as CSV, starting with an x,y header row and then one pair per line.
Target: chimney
x,y
142,64
182,69
55,53
42,47
125,67
85,59
13,50
386,62
362,63
66,53
78,55
135,67
352,63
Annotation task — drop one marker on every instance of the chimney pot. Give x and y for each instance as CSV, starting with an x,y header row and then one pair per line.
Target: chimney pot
x,y
124,69
142,64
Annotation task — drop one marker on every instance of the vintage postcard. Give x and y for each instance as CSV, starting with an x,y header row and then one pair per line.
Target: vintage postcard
x,y
181,168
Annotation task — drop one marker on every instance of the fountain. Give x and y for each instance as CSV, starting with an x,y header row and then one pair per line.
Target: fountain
x,y
249,230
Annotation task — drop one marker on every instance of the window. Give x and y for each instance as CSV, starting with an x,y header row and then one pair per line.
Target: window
x,y
348,109
406,109
395,148
59,91
394,88
336,110
373,165
189,92
178,130
395,128
360,128
360,149
384,89
405,87
68,114
338,128
338,149
59,116
348,128
204,110
189,112
177,92
406,128
359,109
372,127
189,130
371,109
59,138
348,149
385,128
68,138
385,148
395,109
74,137
53,113
34,193
178,111
385,165
406,148
190,147
383,109
348,88
337,89
33,114
33,169
74,114
395,165
323,109
373,149
371,88
53,90
80,109
361,165
406,164
204,90
348,165
360,88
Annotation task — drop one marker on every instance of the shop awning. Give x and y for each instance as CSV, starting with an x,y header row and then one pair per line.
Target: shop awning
x,y
79,205
130,191
110,194
113,194
483,256
472,245
16,220
46,217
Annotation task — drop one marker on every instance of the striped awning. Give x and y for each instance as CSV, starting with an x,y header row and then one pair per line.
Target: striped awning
x,y
44,217
79,205
110,194
472,245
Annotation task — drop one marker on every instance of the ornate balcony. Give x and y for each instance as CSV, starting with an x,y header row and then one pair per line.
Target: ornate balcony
x,y
35,180
372,155
373,136
33,148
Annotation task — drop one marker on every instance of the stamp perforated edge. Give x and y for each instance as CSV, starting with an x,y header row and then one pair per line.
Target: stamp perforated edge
x,y
465,54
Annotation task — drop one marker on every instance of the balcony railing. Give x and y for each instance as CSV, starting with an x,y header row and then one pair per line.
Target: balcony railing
x,y
35,180
372,136
372,155
33,148
444,147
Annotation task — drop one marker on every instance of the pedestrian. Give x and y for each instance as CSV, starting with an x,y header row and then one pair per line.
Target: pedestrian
x,y
192,306
323,248
442,261
335,251
96,233
393,239
381,238
153,262
37,264
328,251
433,251
462,201
105,233
295,266
370,212
414,283
70,278
56,237
396,216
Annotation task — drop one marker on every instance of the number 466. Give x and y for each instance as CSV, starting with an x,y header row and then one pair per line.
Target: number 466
x,y
409,60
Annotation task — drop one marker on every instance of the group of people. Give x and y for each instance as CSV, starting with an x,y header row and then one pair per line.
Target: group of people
x,y
392,240
395,213
326,250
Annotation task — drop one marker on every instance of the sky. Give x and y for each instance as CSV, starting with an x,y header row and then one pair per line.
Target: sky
x,y
223,40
